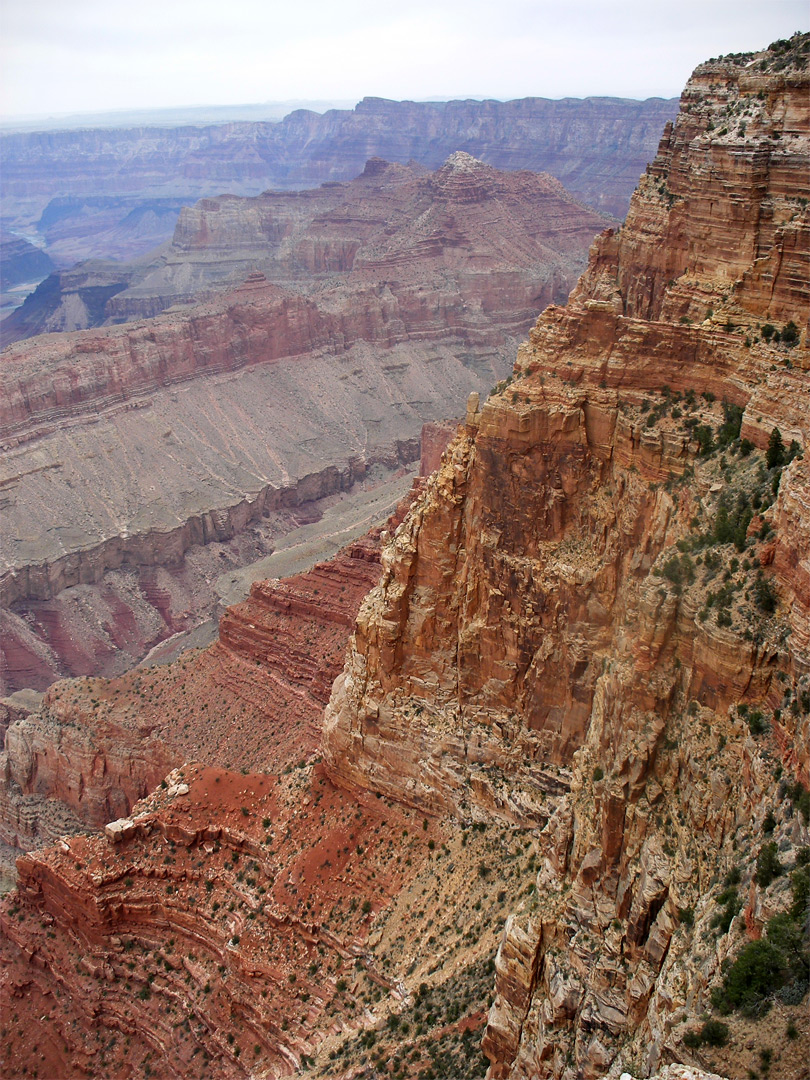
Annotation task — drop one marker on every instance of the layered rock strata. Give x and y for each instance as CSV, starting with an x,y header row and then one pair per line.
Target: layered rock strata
x,y
584,679
248,920
393,223
552,600
243,936
127,446
595,146
21,262
251,700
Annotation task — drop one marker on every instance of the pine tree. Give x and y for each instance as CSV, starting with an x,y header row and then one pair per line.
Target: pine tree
x,y
776,450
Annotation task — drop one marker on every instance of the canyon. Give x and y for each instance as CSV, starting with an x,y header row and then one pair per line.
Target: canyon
x,y
130,451
397,224
107,193
560,792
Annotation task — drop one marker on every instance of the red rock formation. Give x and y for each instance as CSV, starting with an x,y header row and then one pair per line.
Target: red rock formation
x,y
580,643
127,446
96,747
597,147
231,910
540,610
435,440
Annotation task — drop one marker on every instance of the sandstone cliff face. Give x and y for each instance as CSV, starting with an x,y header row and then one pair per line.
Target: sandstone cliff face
x,y
531,621
583,683
238,920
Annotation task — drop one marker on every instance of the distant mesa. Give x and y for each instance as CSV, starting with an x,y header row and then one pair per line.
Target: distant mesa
x,y
103,192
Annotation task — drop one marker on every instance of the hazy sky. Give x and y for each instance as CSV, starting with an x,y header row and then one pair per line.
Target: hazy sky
x,y
60,56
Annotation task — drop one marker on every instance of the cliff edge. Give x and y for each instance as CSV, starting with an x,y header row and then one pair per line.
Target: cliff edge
x,y
604,589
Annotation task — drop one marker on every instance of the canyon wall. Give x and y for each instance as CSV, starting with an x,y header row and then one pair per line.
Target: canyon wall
x,y
596,147
392,223
573,721
552,603
252,913
93,748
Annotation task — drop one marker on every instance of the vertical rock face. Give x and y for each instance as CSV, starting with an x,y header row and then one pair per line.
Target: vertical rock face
x,y
607,575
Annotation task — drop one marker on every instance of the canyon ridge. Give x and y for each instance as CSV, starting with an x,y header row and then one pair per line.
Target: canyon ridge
x,y
114,193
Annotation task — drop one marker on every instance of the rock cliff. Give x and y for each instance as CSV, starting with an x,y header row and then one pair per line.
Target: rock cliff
x,y
251,919
391,223
20,262
606,579
93,747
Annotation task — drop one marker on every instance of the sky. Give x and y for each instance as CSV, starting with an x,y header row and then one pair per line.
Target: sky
x,y
65,56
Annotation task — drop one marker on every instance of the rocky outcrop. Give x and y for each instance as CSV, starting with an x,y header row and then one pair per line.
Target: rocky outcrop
x,y
21,262
93,748
549,607
66,300
233,917
583,679
257,904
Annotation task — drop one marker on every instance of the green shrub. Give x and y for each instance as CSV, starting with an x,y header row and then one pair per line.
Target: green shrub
x,y
734,876
729,430
714,1033
730,904
775,456
764,595
705,439
757,726
768,865
785,933
800,887
686,916
790,334
755,974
